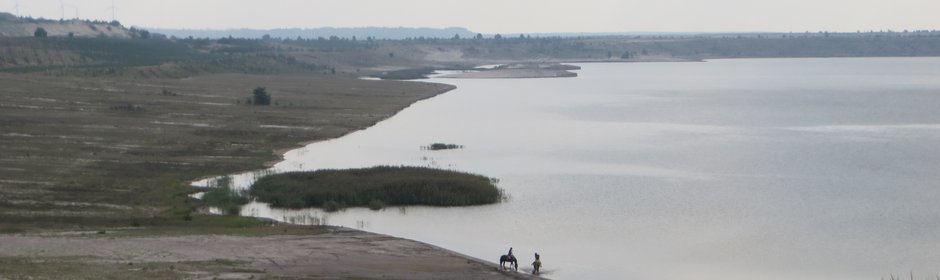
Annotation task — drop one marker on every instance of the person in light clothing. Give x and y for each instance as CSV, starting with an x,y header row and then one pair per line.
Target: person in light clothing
x,y
536,264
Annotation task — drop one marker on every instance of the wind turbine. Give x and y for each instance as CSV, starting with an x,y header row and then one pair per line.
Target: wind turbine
x,y
76,10
17,7
112,10
62,8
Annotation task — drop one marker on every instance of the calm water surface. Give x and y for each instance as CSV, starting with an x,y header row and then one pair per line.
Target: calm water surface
x,y
727,169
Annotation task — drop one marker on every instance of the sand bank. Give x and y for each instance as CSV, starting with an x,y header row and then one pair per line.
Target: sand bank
x,y
341,253
519,71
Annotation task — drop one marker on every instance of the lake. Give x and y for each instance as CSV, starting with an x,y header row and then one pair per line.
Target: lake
x,y
725,169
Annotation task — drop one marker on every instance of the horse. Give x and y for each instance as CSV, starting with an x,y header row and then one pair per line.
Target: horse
x,y
513,264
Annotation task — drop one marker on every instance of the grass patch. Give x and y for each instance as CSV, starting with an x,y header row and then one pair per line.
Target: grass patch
x,y
11,230
97,268
375,187
71,162
220,225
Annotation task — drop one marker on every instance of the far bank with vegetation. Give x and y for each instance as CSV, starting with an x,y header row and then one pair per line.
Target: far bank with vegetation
x,y
375,187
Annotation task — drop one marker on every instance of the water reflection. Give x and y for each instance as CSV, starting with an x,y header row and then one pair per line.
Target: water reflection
x,y
309,216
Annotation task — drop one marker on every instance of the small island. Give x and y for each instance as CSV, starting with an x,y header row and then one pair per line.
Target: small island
x,y
441,146
375,187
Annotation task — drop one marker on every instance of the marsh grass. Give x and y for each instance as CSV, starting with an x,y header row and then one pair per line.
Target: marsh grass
x,y
227,199
376,204
375,187
221,195
333,206
442,146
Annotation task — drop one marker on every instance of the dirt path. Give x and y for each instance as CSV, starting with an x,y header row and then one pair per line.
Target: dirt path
x,y
342,253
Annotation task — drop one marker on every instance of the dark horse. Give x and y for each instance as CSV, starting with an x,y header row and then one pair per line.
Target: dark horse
x,y
511,260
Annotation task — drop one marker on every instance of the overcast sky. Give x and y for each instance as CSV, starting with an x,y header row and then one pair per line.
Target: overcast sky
x,y
507,16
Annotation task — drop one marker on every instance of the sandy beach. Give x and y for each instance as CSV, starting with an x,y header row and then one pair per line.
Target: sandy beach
x,y
339,254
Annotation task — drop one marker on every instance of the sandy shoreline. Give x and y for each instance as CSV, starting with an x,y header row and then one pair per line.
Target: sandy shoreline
x,y
520,71
340,253
513,74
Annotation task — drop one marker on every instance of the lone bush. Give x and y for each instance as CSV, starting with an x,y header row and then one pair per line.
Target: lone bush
x,y
261,97
40,33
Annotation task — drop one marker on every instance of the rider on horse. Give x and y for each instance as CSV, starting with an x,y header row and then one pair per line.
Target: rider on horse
x,y
510,258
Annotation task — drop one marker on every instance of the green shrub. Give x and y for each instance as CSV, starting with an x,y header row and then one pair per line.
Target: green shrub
x,y
442,146
223,197
376,204
260,97
40,33
333,206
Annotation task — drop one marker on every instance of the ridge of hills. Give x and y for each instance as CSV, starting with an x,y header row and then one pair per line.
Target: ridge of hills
x,y
13,26
390,33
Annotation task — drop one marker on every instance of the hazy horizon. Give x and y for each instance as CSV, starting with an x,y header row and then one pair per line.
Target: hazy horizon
x,y
490,16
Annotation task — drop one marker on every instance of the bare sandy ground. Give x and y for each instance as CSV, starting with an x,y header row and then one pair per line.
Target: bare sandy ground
x,y
340,254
